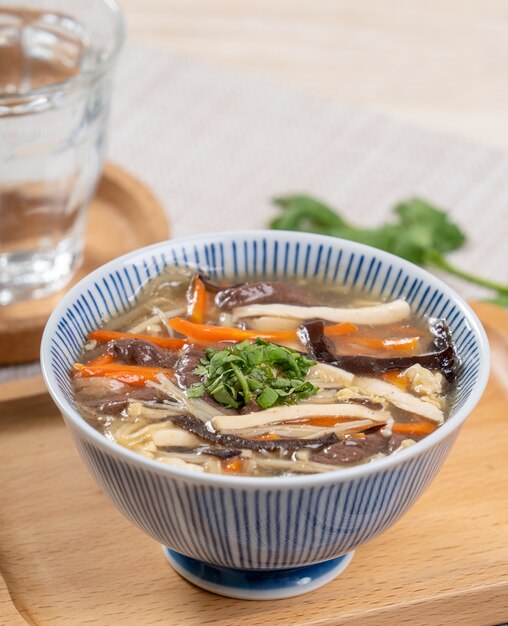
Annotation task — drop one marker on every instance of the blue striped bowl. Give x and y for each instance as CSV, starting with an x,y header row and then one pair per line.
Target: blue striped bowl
x,y
261,537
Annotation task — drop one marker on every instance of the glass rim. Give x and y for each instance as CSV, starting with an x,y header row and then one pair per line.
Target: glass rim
x,y
82,77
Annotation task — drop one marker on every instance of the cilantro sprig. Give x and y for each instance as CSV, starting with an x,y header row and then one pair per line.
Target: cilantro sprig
x,y
262,371
420,233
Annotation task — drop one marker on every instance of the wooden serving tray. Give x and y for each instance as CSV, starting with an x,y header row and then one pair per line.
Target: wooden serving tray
x,y
69,558
123,216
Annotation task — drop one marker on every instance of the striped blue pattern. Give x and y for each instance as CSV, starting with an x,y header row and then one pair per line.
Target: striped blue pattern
x,y
262,528
275,524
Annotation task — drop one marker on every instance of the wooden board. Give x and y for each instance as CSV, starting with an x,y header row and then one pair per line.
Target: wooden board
x,y
123,207
69,558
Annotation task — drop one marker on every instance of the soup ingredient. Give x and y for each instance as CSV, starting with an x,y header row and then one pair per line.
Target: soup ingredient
x,y
211,333
261,293
385,313
186,378
228,440
368,402
175,438
426,384
103,336
421,233
111,397
232,466
321,349
128,374
221,453
355,450
102,359
291,413
398,344
181,464
197,407
141,352
330,376
262,371
197,301
157,321
414,429
342,328
397,378
399,398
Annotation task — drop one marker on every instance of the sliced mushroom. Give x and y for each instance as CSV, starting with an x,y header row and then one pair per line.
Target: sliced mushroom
x,y
259,292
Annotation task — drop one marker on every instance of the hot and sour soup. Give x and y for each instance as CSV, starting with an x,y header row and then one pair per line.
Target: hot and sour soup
x,y
264,378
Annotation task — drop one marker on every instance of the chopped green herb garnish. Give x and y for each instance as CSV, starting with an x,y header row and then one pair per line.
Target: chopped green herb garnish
x,y
421,233
260,371
196,391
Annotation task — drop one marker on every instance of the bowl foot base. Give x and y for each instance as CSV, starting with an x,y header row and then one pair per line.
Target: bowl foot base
x,y
257,584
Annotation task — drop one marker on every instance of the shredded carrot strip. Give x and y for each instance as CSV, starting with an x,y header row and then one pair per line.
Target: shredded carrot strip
x,y
197,301
209,332
103,336
212,333
400,344
268,437
232,466
395,377
343,328
357,435
417,428
102,359
129,374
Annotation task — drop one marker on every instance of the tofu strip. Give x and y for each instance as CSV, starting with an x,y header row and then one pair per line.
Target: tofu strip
x,y
386,313
175,437
296,412
324,375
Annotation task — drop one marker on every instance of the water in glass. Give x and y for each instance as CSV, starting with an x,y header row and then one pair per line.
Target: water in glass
x,y
53,112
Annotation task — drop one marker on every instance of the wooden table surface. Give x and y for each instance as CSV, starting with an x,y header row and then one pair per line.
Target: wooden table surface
x,y
69,558
440,63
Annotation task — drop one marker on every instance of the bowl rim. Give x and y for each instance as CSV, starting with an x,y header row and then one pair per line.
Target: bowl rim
x,y
453,423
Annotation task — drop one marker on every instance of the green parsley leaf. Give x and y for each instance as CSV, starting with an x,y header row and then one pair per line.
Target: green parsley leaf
x,y
267,398
196,391
421,233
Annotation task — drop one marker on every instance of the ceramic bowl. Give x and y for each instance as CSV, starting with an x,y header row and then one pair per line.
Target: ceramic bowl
x,y
252,537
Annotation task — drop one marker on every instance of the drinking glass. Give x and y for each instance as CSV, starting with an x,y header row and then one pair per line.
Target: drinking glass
x,y
56,61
